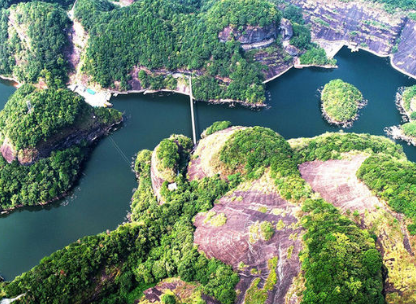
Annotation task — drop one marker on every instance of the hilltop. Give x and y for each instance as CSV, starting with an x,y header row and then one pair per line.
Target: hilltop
x,y
259,227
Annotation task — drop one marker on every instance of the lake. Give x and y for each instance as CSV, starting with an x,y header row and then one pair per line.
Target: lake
x,y
100,200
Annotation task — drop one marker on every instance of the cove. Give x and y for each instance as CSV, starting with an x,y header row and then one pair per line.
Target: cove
x,y
100,199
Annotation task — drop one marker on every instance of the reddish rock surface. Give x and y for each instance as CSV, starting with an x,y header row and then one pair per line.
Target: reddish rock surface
x,y
230,242
249,34
206,156
337,183
181,289
8,152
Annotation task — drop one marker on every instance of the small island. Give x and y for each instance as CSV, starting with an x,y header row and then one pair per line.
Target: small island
x,y
341,102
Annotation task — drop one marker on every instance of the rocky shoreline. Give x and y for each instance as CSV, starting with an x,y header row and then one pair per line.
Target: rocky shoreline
x,y
396,132
342,124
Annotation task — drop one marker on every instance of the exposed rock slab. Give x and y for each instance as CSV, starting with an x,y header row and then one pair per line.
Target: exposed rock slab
x,y
249,34
362,25
337,183
182,290
205,162
405,57
231,243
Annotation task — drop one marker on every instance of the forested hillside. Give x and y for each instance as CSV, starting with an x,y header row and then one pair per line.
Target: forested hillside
x,y
340,261
7,3
166,35
33,37
44,136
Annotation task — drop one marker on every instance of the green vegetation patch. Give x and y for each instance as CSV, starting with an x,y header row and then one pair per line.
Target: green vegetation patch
x,y
36,41
331,145
215,220
340,262
409,98
392,5
340,102
393,181
280,225
262,209
33,116
316,56
41,182
251,150
64,3
409,129
256,295
172,156
263,230
215,127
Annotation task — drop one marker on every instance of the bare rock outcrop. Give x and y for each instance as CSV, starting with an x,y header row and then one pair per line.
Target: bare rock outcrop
x,y
63,140
183,291
362,25
337,183
249,34
405,57
8,151
234,243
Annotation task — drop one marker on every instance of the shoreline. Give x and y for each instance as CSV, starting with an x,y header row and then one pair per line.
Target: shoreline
x,y
396,132
7,211
332,48
342,124
15,83
230,102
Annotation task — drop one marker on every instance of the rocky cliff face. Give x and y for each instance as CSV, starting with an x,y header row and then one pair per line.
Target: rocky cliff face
x,y
249,34
353,23
405,57
362,25
64,140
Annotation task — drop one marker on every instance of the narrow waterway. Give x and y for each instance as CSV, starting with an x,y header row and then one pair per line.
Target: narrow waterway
x,y
101,198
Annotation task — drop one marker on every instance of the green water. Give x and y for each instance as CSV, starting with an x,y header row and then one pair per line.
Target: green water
x,y
101,198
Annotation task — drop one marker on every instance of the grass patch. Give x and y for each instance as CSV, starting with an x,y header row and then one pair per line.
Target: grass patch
x,y
215,220
280,225
262,209
255,295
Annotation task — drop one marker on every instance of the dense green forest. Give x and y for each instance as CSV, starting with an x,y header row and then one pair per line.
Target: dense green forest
x,y
65,3
394,181
32,116
336,249
172,36
33,45
29,118
340,101
41,182
331,145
